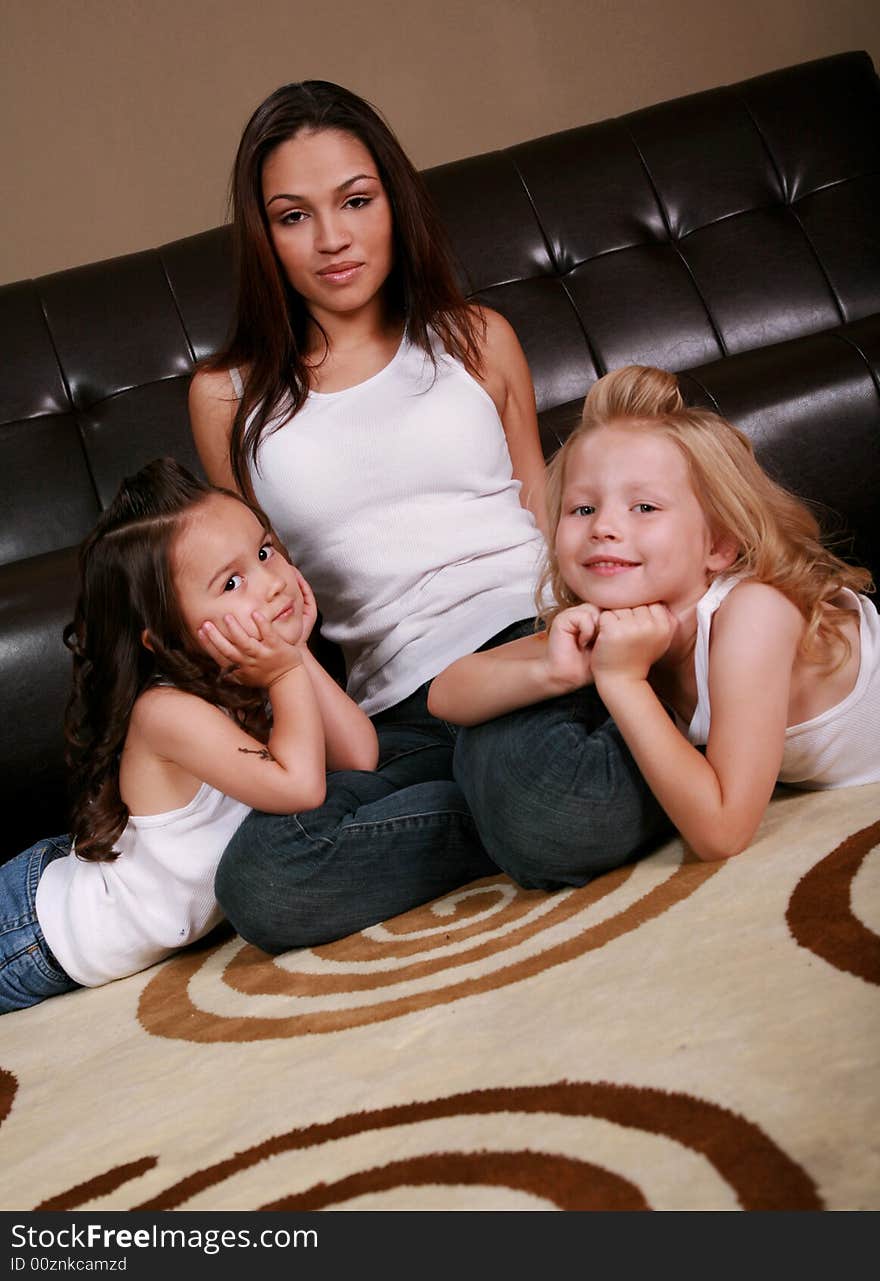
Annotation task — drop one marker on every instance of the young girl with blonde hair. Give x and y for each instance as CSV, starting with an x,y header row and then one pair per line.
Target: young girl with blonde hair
x,y
685,580
189,617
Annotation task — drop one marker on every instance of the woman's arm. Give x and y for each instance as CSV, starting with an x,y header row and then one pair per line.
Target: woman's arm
x,y
481,686
718,800
212,408
508,381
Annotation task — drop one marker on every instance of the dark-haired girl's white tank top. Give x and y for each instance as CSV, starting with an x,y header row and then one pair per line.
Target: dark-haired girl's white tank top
x,y
397,501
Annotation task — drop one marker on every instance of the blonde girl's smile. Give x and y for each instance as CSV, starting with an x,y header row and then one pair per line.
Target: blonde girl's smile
x,y
606,565
631,530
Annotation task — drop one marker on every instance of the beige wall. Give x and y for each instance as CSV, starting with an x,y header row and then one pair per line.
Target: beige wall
x,y
120,117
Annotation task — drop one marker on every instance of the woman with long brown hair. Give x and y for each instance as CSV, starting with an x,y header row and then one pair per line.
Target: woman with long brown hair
x,y
388,428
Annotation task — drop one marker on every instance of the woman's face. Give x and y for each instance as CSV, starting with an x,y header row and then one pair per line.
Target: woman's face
x,y
329,220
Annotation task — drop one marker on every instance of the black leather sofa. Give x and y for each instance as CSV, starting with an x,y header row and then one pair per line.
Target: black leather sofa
x,y
732,235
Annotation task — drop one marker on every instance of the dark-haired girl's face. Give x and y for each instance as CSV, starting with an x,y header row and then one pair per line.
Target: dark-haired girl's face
x,y
225,563
329,220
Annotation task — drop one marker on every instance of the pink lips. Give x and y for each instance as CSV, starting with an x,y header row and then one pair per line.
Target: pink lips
x,y
338,273
607,566
285,613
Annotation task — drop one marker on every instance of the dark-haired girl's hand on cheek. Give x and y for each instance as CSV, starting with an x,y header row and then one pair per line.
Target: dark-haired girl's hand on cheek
x,y
257,658
310,607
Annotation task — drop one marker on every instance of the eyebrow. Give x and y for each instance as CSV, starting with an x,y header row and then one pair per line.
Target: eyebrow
x,y
349,182
266,535
225,572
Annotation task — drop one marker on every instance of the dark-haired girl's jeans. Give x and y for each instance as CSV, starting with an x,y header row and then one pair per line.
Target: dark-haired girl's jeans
x,y
548,794
28,970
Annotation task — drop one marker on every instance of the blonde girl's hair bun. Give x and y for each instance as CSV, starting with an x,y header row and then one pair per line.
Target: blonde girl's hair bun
x,y
635,391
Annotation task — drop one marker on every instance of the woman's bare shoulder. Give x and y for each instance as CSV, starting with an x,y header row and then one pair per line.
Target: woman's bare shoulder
x,y
210,387
499,335
213,404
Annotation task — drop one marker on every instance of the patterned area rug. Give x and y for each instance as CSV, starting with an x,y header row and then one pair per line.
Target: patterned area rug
x,y
674,1036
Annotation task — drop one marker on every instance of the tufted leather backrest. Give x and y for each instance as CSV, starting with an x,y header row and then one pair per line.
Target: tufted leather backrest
x,y
688,231
732,234
676,236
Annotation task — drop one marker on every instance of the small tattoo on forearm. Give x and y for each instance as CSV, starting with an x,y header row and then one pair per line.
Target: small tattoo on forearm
x,y
263,752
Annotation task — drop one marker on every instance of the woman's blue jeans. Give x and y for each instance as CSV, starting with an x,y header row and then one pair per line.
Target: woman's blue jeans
x,y
548,794
28,970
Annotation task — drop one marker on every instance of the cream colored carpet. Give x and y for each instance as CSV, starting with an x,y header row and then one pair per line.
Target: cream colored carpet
x,y
675,1036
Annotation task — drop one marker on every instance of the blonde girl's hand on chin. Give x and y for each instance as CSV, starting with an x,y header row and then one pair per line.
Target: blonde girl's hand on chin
x,y
630,642
258,658
569,647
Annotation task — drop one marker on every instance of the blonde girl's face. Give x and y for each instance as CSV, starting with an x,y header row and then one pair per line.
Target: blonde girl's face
x,y
631,530
329,220
224,562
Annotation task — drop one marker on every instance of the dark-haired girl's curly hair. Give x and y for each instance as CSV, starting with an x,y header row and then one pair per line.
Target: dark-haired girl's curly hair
x,y
127,634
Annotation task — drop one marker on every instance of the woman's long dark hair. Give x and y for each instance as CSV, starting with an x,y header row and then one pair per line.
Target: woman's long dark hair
x,y
271,320
126,591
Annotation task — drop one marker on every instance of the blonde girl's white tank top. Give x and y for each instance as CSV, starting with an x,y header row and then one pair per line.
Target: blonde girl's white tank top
x,y
396,499
838,748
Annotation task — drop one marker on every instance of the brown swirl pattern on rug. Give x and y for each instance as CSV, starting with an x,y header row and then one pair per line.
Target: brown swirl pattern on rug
x,y
8,1089
566,1183
101,1185
493,922
760,1174
820,914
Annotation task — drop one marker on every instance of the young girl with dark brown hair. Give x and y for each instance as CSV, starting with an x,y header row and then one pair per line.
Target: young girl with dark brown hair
x,y
189,617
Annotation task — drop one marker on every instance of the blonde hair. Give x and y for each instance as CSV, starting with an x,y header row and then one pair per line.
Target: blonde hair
x,y
778,539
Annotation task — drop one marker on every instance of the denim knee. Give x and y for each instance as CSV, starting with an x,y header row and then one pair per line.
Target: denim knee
x,y
372,851
257,885
557,798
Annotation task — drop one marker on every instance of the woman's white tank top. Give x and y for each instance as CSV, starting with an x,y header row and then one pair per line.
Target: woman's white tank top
x,y
396,499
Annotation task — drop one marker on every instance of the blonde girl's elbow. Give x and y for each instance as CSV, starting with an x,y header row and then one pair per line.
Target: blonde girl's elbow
x,y
447,709
711,854
435,698
721,847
